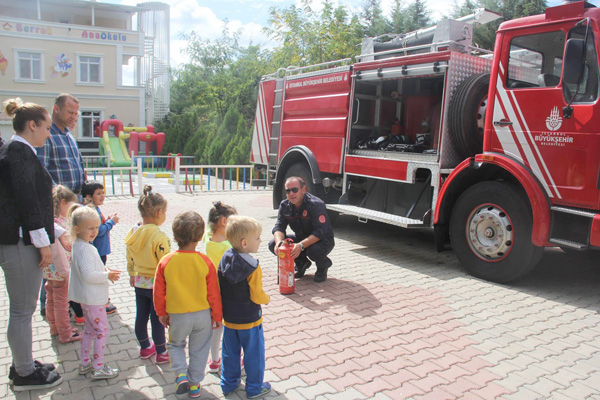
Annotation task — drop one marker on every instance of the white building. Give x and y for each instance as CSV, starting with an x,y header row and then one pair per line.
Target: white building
x,y
113,58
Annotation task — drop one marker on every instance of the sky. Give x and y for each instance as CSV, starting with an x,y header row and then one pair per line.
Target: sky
x,y
250,16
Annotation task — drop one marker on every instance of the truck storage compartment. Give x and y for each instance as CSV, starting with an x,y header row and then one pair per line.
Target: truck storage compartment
x,y
410,200
396,116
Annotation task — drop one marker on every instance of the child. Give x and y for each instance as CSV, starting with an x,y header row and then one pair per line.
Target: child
x,y
93,195
88,286
216,244
146,245
57,273
186,296
240,278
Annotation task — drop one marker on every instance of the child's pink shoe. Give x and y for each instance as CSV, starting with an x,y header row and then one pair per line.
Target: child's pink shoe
x,y
148,352
163,358
214,366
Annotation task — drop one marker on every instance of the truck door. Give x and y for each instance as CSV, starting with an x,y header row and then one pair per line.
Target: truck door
x,y
528,120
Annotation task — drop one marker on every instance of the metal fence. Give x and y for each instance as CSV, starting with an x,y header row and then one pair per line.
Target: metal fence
x,y
130,180
117,181
193,178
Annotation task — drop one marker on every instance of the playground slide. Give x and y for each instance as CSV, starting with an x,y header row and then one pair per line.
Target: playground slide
x,y
118,156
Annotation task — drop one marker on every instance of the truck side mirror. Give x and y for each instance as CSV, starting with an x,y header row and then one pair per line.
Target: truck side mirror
x,y
574,61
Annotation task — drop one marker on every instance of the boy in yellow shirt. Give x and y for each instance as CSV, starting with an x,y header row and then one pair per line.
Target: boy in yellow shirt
x,y
240,278
187,300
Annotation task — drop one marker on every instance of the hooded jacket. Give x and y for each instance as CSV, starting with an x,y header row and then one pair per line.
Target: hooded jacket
x,y
240,279
146,245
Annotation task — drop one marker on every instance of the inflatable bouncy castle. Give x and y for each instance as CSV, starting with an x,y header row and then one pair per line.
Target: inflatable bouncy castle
x,y
113,138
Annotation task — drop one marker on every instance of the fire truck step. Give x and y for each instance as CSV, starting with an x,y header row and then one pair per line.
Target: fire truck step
x,y
569,244
365,214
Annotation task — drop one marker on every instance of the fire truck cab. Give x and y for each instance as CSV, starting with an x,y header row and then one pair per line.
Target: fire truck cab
x,y
498,152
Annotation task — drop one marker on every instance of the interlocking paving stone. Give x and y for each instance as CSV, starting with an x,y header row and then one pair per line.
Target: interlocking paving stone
x,y
395,320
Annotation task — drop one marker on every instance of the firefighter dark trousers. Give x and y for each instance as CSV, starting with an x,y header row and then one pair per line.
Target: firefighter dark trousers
x,y
317,252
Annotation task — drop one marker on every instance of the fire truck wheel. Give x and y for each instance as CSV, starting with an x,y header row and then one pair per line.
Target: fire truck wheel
x,y
490,232
466,113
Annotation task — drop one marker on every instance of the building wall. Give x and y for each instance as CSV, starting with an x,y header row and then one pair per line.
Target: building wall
x,y
67,43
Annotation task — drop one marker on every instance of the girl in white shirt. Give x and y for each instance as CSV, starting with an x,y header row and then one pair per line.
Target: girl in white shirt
x,y
88,285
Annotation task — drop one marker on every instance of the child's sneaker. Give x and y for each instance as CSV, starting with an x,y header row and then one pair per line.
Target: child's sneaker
x,y
266,388
148,352
105,372
194,391
79,320
75,337
182,384
84,369
214,366
110,308
163,358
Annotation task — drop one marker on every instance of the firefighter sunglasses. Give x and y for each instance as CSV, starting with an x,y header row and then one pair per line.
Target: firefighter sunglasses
x,y
292,190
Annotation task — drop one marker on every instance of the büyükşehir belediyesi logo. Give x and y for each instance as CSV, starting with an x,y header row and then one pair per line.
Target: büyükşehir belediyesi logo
x,y
554,121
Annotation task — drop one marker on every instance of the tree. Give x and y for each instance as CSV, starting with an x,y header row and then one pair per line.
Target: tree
x,y
308,37
485,35
398,18
418,16
374,22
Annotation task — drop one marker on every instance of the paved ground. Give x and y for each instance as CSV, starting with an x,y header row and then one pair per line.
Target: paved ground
x,y
395,320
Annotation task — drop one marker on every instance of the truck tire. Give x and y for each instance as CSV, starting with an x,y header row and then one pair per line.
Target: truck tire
x,y
466,114
490,232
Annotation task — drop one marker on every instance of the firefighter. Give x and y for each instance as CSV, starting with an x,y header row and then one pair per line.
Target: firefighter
x,y
307,216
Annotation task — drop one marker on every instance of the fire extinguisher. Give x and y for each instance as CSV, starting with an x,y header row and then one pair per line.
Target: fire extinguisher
x,y
286,267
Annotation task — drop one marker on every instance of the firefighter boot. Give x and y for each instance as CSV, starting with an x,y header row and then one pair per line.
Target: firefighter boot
x,y
302,265
321,275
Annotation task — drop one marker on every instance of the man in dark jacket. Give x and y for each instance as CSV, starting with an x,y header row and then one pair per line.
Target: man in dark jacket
x,y
307,216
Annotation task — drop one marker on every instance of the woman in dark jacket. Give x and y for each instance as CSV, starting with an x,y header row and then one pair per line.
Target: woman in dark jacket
x,y
26,232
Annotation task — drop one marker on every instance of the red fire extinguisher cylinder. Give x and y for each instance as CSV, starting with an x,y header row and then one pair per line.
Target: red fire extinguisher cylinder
x,y
286,267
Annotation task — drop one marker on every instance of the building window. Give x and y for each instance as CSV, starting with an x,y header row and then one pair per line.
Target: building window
x,y
89,70
30,65
130,70
90,119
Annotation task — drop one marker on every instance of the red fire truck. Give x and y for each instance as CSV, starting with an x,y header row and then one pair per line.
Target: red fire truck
x,y
499,153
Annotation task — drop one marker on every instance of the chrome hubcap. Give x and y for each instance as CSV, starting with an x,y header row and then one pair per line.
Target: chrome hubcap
x,y
490,232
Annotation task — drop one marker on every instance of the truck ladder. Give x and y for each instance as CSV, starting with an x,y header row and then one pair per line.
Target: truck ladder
x,y
275,126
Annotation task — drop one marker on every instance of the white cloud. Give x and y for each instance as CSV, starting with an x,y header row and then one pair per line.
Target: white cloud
x,y
189,15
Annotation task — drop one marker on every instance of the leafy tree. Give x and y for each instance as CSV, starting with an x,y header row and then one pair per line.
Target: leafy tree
x,y
308,37
485,35
398,18
418,16
375,23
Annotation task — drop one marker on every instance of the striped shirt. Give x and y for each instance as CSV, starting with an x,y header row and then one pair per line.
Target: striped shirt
x,y
60,155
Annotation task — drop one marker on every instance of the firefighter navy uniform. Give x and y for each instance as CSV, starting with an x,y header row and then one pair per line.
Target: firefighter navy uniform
x,y
310,219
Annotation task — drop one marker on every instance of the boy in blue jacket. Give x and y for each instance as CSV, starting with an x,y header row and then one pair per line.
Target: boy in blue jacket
x,y
240,278
93,195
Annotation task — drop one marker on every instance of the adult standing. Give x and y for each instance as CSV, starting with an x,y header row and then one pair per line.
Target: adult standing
x,y
60,154
307,216
61,157
26,232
